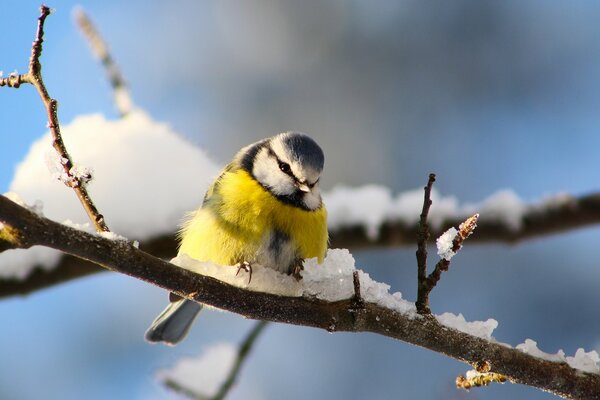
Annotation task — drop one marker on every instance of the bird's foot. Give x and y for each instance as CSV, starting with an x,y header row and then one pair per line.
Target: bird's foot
x,y
245,265
297,271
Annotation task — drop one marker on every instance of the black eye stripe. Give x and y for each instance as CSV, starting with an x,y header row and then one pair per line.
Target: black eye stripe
x,y
283,166
286,169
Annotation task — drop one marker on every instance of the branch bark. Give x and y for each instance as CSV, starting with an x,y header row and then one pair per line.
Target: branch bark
x,y
26,229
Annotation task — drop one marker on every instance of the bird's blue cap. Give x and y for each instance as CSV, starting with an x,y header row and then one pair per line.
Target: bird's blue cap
x,y
304,149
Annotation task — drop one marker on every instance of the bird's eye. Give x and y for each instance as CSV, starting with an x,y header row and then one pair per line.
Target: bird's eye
x,y
285,167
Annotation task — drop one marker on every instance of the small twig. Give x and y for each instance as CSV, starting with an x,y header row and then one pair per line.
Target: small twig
x,y
34,77
243,351
422,239
121,95
357,300
464,231
480,376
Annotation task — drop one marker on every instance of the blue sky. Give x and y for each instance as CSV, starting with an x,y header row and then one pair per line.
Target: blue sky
x,y
487,95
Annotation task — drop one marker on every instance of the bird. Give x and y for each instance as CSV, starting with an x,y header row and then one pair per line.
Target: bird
x,y
264,208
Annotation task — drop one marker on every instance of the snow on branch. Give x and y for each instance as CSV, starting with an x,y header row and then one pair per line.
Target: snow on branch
x,y
379,313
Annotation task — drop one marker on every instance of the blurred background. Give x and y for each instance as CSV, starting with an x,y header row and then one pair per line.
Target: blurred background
x,y
488,95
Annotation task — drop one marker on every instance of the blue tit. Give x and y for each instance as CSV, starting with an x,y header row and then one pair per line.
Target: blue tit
x,y
264,208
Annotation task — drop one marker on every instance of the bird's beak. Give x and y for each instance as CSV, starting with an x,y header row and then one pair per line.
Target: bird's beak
x,y
303,187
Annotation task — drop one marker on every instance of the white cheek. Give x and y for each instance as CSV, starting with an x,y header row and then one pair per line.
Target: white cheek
x,y
312,199
268,173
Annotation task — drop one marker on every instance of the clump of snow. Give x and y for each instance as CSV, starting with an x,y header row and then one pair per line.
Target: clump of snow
x,y
146,177
37,207
204,374
331,281
445,244
56,165
587,362
112,236
263,279
369,207
372,205
482,329
86,227
18,263
530,347
582,360
504,206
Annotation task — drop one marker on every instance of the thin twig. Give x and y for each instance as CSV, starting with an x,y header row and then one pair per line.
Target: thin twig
x,y
121,95
422,239
464,231
243,351
120,256
34,77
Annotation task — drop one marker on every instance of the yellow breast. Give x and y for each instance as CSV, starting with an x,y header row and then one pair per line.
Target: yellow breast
x,y
239,214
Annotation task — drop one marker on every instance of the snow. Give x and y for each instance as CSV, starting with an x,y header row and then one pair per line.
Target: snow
x,y
371,205
504,206
582,360
112,236
146,177
482,329
444,244
587,362
86,227
204,374
142,174
331,281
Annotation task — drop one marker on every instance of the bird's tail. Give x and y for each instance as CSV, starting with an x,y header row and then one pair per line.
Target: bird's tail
x,y
174,322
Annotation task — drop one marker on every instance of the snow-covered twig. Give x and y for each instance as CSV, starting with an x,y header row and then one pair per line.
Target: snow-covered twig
x,y
122,97
34,77
425,331
448,244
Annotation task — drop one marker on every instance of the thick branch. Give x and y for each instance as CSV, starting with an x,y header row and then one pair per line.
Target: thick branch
x,y
426,332
538,220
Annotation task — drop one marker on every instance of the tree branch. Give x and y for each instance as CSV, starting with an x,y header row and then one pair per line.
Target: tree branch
x,y
120,256
539,219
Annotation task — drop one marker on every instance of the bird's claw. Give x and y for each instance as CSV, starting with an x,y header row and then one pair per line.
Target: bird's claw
x,y
245,265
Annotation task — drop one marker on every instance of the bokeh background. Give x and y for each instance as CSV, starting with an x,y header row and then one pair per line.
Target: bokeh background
x,y
489,95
